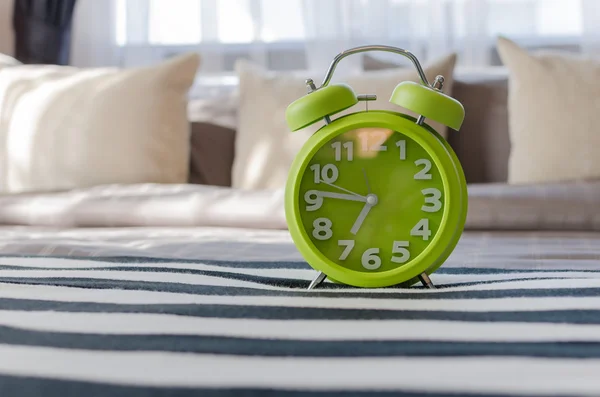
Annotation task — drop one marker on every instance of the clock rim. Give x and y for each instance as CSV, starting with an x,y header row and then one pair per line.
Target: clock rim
x,y
442,244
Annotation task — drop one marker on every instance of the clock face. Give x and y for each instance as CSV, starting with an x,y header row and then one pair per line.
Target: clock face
x,y
371,199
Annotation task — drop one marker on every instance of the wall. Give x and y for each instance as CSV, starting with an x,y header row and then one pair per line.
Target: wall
x,y
6,31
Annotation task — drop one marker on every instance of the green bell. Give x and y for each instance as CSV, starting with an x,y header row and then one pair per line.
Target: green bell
x,y
318,105
429,103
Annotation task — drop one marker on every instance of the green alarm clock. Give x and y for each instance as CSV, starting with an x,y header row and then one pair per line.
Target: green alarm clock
x,y
376,198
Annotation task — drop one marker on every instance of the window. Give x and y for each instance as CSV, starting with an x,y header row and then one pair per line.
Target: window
x,y
306,34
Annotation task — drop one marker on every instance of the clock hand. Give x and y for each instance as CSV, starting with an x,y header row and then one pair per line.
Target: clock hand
x,y
344,190
361,218
350,197
367,181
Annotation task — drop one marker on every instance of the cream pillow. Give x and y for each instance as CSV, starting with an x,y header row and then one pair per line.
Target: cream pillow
x,y
265,147
63,127
554,115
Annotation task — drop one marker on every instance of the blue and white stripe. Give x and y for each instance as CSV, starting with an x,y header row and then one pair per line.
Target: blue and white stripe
x,y
138,326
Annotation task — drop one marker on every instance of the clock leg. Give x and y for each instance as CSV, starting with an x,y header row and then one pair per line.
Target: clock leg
x,y
318,280
426,281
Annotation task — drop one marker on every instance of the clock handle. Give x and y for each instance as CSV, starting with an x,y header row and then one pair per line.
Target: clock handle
x,y
366,48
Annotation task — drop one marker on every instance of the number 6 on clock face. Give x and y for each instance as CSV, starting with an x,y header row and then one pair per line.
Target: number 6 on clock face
x,y
372,261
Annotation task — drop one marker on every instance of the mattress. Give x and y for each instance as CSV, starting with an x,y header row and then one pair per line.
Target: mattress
x,y
182,311
557,206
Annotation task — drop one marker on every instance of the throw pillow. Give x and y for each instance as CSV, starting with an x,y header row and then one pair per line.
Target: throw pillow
x,y
264,146
554,115
63,127
212,150
6,60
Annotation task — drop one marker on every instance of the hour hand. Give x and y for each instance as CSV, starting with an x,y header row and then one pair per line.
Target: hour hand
x,y
361,218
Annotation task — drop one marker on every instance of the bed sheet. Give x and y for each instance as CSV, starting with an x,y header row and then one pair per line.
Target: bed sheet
x,y
225,312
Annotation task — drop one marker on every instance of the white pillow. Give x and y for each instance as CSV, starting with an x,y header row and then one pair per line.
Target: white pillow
x,y
554,115
6,60
63,127
265,147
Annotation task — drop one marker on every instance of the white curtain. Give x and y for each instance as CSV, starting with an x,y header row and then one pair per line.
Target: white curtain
x,y
306,34
93,37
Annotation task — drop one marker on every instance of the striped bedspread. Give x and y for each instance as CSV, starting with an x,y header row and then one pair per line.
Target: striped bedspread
x,y
142,326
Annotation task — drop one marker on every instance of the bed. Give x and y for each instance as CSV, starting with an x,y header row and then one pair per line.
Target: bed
x,y
197,290
102,293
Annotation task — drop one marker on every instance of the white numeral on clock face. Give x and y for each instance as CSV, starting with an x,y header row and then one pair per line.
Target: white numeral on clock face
x,y
328,174
400,247
337,147
377,137
424,173
313,199
432,200
370,259
402,146
421,229
348,244
322,229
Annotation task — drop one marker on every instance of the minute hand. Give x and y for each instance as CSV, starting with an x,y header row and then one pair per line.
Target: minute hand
x,y
340,196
